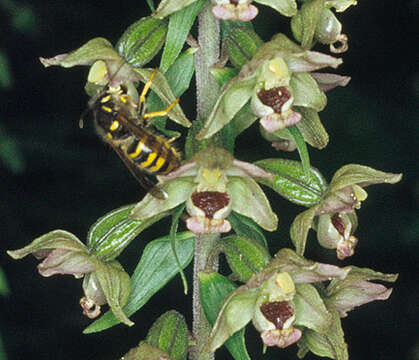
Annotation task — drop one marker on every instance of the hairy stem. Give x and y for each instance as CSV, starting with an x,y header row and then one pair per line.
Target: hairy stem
x,y
206,259
206,255
207,55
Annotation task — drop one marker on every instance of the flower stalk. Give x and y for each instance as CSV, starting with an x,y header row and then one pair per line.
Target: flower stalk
x,y
206,94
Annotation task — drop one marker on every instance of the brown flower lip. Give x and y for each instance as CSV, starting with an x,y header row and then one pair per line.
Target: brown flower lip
x,y
210,201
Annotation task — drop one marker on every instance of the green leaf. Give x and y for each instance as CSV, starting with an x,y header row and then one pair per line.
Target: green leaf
x,y
310,310
150,5
214,288
292,182
180,24
156,267
10,152
4,287
142,40
284,7
161,87
167,7
306,92
243,225
170,333
311,128
302,148
173,230
6,78
3,355
112,233
245,256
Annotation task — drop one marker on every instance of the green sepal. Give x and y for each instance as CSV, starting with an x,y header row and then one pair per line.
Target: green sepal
x,y
214,288
330,344
311,128
306,92
234,96
167,7
300,227
243,225
245,256
340,5
241,44
170,334
112,233
284,7
361,175
156,267
328,28
142,40
310,310
179,77
180,24
304,23
248,199
115,284
177,190
292,182
87,54
161,87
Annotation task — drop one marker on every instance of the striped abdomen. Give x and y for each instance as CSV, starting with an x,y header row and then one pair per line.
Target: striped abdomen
x,y
153,154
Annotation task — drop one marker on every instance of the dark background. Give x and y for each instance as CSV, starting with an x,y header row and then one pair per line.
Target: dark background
x,y
56,176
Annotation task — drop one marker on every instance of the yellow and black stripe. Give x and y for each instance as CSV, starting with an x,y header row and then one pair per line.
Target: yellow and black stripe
x,y
143,152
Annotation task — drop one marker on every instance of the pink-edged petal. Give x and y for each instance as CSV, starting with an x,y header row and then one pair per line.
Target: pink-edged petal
x,y
281,338
61,261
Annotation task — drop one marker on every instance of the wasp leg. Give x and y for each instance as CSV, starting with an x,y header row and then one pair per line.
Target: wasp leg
x,y
161,112
147,87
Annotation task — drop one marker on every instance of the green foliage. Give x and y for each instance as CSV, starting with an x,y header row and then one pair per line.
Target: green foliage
x,y
214,191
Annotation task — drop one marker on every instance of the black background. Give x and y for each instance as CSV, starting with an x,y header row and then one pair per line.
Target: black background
x,y
70,178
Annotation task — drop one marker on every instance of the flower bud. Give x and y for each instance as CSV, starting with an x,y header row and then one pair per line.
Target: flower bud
x,y
245,256
241,44
142,40
170,333
335,232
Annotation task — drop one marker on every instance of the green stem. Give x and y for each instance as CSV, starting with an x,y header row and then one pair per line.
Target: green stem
x,y
205,259
207,90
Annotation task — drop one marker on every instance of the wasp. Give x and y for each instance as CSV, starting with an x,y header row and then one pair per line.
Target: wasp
x,y
121,124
